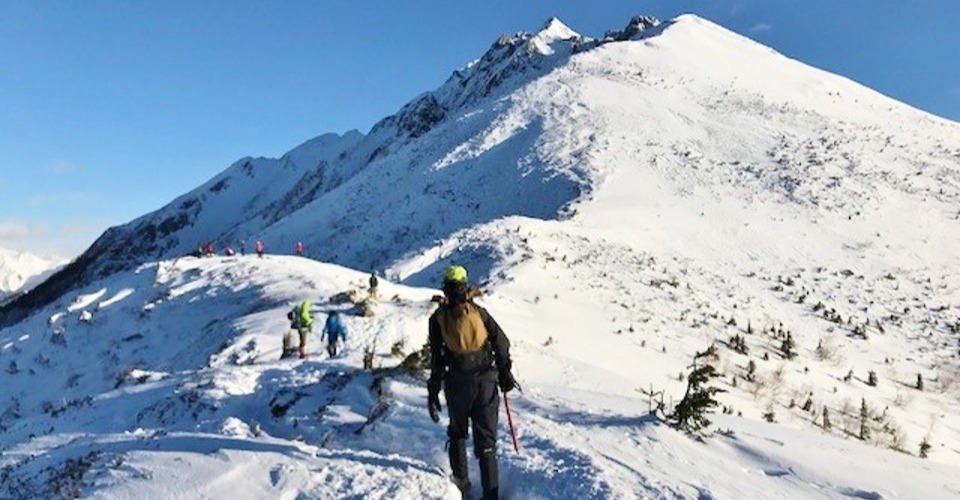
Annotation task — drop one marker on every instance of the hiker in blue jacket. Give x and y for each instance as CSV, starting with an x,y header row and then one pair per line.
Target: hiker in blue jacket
x,y
336,330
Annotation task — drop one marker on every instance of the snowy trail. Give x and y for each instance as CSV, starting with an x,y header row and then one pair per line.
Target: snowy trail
x,y
241,423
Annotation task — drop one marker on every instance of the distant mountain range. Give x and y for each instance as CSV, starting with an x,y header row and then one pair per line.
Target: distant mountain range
x,y
21,271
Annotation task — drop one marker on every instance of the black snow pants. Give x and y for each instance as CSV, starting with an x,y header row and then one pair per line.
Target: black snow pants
x,y
474,399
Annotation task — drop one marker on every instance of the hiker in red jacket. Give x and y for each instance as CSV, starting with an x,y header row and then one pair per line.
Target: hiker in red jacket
x,y
260,247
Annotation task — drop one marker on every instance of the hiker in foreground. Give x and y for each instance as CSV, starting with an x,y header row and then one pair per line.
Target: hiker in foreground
x,y
334,329
302,322
470,356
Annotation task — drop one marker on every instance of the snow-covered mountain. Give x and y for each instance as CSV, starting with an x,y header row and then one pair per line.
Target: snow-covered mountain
x,y
21,271
542,120
627,201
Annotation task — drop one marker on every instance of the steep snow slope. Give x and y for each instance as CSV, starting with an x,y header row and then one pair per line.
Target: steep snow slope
x,y
541,120
786,161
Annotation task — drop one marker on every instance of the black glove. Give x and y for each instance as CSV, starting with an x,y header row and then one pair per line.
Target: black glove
x,y
433,399
507,382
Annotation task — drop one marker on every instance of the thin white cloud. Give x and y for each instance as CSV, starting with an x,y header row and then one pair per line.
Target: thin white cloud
x,y
13,228
761,27
66,239
22,235
84,227
61,167
64,198
74,236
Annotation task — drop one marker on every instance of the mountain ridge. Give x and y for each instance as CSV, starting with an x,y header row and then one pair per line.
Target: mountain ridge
x,y
322,168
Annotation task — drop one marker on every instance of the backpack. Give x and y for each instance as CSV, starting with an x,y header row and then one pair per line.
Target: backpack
x,y
466,337
294,317
334,326
462,328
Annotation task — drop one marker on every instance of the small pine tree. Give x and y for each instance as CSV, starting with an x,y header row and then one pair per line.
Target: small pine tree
x,y
919,382
368,353
864,420
826,419
924,448
849,376
769,416
749,328
807,404
699,399
711,353
787,346
872,378
738,344
418,361
751,371
396,349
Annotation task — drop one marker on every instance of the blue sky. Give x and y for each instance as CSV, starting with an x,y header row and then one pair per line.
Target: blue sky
x,y
110,109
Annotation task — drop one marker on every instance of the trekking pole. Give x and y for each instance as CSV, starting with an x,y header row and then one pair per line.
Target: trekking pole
x,y
513,433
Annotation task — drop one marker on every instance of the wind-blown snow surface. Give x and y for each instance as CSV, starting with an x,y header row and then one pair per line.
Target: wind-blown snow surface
x,y
626,203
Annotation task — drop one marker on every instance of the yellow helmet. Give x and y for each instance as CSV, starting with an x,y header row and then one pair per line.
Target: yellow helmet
x,y
455,274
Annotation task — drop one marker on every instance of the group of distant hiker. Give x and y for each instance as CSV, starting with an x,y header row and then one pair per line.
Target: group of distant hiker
x,y
301,321
208,249
469,360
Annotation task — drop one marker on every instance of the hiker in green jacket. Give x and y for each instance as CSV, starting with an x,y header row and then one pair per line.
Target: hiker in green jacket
x,y
302,322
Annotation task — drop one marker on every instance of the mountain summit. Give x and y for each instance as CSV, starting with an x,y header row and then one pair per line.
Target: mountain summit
x,y
553,30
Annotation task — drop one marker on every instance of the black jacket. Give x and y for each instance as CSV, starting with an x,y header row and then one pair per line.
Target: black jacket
x,y
491,362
